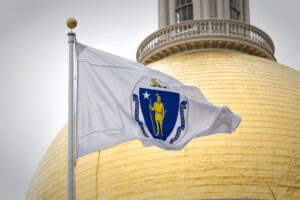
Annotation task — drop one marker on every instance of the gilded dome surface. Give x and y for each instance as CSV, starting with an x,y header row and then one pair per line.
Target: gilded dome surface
x,y
261,160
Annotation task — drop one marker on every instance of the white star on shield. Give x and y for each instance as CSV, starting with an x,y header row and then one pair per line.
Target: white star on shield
x,y
146,95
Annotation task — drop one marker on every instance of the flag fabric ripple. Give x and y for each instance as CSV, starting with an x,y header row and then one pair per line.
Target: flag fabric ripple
x,y
120,100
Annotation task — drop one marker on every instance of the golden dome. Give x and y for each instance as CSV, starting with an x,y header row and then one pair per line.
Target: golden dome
x,y
259,161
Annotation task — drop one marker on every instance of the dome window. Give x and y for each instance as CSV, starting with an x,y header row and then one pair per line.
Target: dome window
x,y
235,9
183,10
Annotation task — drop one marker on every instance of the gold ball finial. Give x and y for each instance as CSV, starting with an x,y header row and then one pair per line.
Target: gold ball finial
x,y
72,23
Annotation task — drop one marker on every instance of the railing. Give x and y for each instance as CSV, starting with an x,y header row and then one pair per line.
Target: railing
x,y
239,32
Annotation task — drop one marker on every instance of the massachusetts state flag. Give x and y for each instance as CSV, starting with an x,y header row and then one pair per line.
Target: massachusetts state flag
x,y
119,100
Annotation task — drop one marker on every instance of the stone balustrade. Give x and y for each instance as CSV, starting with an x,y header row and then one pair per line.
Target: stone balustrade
x,y
205,35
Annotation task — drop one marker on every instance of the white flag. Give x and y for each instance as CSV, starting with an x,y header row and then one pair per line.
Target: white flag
x,y
119,100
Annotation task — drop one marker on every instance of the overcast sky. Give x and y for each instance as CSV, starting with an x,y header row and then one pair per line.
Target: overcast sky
x,y
34,65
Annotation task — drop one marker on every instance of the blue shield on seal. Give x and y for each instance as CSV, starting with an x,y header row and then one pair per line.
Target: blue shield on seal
x,y
160,111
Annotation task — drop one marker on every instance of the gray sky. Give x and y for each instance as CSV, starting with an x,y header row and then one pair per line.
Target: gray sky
x,y
34,65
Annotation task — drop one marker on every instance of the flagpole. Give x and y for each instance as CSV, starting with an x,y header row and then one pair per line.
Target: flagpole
x,y
71,23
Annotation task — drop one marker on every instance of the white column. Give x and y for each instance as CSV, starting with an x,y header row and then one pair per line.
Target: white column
x,y
205,9
226,9
246,11
171,12
162,13
242,11
220,9
196,9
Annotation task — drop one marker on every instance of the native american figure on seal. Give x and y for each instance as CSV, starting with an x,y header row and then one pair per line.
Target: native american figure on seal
x,y
158,108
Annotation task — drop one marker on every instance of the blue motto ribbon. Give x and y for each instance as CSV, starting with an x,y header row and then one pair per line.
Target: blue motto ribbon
x,y
182,127
135,98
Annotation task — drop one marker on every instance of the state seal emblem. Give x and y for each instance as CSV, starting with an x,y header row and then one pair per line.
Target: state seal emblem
x,y
160,112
